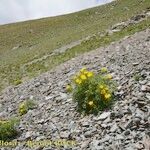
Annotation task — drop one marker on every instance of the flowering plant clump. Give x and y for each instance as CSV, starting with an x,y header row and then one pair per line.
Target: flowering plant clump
x,y
92,92
8,128
25,106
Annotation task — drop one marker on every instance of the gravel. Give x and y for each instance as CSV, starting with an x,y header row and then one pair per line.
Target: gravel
x,y
125,127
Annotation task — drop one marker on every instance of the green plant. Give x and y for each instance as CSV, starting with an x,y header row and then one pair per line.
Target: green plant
x,y
8,129
137,77
25,106
17,82
93,92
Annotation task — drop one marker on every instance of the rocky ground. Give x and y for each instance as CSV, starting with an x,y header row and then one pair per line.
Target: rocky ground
x,y
125,127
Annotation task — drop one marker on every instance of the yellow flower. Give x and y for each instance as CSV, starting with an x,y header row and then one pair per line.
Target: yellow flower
x,y
22,111
69,88
103,91
78,81
83,70
108,76
90,74
22,105
101,87
83,77
107,96
104,70
91,103
106,89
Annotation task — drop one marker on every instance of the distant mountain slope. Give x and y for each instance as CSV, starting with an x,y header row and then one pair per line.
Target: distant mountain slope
x,y
21,43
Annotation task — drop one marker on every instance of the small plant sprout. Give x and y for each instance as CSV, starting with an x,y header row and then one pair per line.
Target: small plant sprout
x,y
25,106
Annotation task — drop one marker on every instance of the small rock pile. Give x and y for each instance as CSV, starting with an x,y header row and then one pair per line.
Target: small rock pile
x,y
133,20
124,127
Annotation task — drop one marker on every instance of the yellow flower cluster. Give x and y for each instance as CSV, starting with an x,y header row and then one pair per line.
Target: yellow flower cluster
x,y
105,92
83,75
91,103
22,108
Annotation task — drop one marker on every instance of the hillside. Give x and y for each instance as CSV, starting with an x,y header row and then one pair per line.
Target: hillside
x,y
21,44
39,58
126,126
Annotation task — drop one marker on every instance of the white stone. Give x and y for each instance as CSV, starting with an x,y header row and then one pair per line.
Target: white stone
x,y
103,116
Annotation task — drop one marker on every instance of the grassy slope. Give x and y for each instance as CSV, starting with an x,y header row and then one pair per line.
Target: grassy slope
x,y
39,37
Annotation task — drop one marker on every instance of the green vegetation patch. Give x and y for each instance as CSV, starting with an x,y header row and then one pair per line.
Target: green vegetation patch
x,y
92,92
25,106
8,129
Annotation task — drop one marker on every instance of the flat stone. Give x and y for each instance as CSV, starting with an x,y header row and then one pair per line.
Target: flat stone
x,y
84,144
41,121
48,97
128,124
28,134
114,128
148,96
143,82
103,116
137,120
139,145
85,124
135,63
64,134
119,137
145,88
39,138
104,125
96,145
105,139
89,133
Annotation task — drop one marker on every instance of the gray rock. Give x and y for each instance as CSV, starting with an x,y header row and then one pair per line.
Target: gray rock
x,y
105,139
148,96
143,82
28,134
114,128
138,17
89,133
85,124
49,97
119,137
139,145
127,132
1,107
137,121
129,124
95,145
84,144
39,138
103,116
64,134
145,88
